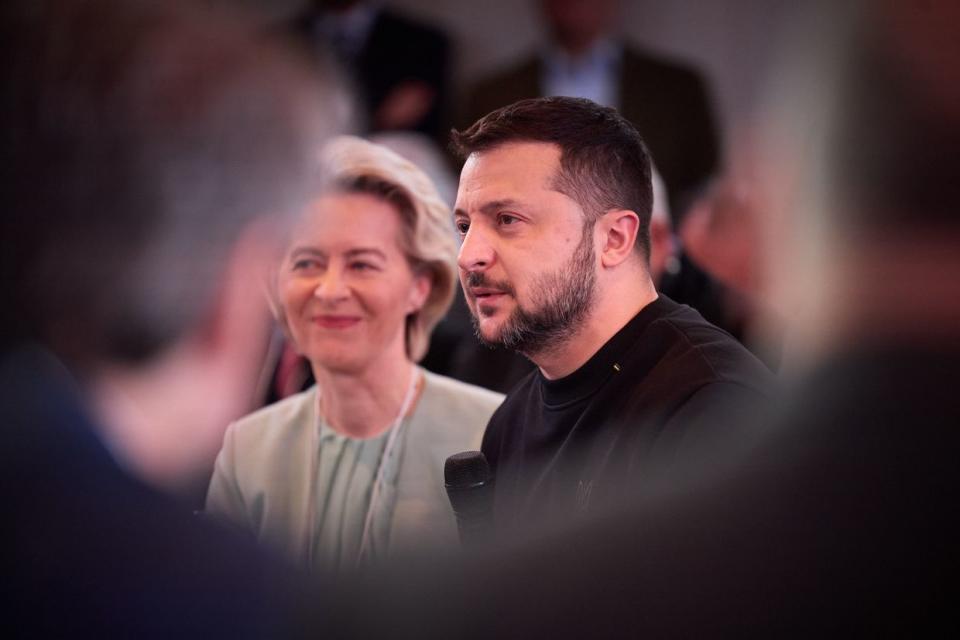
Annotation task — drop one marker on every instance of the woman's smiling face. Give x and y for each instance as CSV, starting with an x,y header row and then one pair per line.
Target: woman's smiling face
x,y
345,285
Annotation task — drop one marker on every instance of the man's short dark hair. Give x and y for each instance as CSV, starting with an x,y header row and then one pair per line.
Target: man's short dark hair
x,y
604,163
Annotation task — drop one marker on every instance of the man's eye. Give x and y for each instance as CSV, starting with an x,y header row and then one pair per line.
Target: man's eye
x,y
462,227
506,219
362,266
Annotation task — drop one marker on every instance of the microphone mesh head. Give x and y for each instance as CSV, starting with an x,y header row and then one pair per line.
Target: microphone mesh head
x,y
466,469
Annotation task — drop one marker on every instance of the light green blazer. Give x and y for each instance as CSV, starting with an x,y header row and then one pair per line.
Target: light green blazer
x,y
262,476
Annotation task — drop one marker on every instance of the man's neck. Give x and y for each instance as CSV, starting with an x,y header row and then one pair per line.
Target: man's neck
x,y
611,311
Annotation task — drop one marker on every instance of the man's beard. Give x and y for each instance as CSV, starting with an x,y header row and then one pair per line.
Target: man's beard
x,y
559,302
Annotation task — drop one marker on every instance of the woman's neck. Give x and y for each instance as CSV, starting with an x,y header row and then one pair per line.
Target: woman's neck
x,y
365,404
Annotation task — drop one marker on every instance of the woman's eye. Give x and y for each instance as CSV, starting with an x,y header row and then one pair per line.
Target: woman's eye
x,y
304,264
362,266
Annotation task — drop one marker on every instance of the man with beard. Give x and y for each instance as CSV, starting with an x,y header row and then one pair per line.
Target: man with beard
x,y
554,212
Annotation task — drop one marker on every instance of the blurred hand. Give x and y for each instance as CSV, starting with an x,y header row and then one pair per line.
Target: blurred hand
x,y
405,106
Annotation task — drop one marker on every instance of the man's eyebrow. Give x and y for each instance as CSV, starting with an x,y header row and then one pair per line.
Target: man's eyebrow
x,y
491,207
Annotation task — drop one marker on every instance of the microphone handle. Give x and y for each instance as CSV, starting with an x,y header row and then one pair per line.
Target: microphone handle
x,y
473,508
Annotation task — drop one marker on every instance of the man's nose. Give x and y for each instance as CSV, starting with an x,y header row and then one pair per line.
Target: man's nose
x,y
476,251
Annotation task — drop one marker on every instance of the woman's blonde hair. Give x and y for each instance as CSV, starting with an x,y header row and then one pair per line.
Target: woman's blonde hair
x,y
354,165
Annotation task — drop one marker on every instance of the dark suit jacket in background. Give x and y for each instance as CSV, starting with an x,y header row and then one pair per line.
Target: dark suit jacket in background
x,y
666,101
398,49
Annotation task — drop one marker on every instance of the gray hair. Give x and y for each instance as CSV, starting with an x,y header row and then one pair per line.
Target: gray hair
x,y
427,238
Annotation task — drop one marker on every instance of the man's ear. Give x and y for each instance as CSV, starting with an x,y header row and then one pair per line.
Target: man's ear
x,y
618,230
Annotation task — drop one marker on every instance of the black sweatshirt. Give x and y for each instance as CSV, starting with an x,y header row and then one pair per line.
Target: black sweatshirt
x,y
667,385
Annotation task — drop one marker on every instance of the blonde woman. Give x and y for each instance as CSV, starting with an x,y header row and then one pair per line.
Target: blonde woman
x,y
351,470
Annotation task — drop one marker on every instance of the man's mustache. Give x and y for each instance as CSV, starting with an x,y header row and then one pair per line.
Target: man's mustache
x,y
480,279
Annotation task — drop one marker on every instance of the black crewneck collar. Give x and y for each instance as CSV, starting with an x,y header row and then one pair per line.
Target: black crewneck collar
x,y
592,375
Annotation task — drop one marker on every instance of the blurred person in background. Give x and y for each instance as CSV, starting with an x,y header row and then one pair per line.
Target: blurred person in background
x,y
351,470
663,247
399,66
148,149
723,233
584,57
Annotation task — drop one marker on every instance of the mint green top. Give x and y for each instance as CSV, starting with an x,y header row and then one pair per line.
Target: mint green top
x,y
266,477
345,476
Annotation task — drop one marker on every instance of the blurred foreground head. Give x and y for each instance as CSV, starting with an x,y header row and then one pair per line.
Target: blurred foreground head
x,y
150,152
863,135
140,139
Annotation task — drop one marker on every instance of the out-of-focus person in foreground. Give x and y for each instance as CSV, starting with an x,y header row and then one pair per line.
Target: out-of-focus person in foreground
x,y
351,469
843,520
554,212
146,147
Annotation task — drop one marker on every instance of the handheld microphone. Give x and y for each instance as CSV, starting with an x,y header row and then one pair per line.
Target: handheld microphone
x,y
469,484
